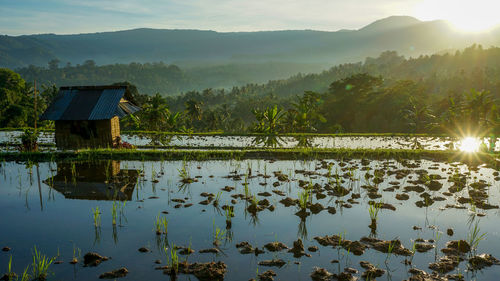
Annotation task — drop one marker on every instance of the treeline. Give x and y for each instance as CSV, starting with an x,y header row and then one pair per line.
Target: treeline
x,y
151,76
358,103
473,67
446,93
167,79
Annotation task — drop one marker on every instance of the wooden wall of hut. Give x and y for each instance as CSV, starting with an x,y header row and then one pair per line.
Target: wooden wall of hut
x,y
87,134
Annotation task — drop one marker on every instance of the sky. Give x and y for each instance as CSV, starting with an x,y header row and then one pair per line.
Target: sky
x,y
85,16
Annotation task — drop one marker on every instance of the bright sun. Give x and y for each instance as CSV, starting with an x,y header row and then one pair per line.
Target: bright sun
x,y
465,15
469,144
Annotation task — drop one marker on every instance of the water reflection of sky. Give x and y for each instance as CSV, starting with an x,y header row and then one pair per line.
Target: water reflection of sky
x,y
47,219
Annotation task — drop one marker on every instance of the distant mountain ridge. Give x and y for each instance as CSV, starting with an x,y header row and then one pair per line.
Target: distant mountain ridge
x,y
407,35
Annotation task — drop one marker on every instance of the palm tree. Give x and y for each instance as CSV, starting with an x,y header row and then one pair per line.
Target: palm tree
x,y
193,110
269,120
418,116
269,124
477,108
155,114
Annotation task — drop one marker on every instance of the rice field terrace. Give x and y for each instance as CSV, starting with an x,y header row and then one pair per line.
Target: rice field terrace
x,y
330,216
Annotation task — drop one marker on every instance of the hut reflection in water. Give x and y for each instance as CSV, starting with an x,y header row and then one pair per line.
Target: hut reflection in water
x,y
103,180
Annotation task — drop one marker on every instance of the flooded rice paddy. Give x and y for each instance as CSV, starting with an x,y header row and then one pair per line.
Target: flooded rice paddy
x,y
237,142
251,216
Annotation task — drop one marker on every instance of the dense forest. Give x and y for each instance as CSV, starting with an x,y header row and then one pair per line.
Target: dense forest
x,y
169,79
447,93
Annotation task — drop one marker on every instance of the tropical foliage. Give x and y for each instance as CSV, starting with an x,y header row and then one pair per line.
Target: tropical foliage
x,y
454,94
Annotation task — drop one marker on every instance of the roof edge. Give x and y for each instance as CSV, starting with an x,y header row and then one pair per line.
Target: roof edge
x,y
103,87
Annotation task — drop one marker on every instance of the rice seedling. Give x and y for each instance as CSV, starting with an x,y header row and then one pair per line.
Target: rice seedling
x,y
189,249
254,200
184,173
218,235
96,216
217,198
161,225
172,258
373,210
245,186
304,199
390,248
25,276
76,255
40,265
229,214
9,275
474,236
413,250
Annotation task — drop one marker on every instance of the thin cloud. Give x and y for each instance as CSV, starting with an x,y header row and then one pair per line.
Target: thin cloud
x,y
76,16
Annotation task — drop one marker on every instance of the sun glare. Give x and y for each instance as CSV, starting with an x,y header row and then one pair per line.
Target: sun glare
x,y
464,15
469,144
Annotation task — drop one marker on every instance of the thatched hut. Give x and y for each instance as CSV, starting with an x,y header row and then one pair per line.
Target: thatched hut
x,y
88,116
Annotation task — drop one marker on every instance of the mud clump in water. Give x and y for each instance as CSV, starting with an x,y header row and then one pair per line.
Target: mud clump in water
x,y
312,249
288,202
93,259
275,246
143,250
117,273
321,274
371,271
402,196
482,261
384,245
211,250
9,276
267,276
456,247
420,275
202,271
445,264
423,247
316,208
355,247
245,248
273,262
298,249
186,251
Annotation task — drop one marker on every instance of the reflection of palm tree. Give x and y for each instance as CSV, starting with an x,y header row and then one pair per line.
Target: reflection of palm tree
x,y
304,141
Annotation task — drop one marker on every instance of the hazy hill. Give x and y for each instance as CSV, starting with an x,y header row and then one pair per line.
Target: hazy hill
x,y
406,35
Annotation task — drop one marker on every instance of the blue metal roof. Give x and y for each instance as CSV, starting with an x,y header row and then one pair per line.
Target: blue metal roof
x,y
90,103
